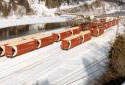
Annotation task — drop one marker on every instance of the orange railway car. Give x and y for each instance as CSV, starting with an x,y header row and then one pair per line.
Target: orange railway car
x,y
75,30
102,20
105,25
97,30
111,24
6,42
114,22
75,40
108,25
58,36
21,47
86,35
71,42
44,40
82,26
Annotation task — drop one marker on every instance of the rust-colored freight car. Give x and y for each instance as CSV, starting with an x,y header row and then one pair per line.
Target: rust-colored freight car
x,y
117,20
6,42
95,25
71,42
61,35
82,27
92,26
86,35
21,47
75,30
105,25
76,40
44,40
101,26
108,24
102,20
113,22
97,30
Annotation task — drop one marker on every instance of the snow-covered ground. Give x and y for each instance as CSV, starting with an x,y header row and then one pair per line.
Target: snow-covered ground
x,y
123,83
52,65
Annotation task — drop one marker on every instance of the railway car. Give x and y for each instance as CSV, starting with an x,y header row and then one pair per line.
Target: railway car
x,y
75,30
85,36
21,47
75,40
6,42
44,40
105,25
102,20
117,20
108,24
98,31
113,22
58,36
92,26
82,27
71,42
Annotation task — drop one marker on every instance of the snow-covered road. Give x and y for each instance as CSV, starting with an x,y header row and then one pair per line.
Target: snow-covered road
x,y
51,65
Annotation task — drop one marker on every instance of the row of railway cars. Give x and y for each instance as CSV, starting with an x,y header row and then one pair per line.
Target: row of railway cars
x,y
94,29
70,38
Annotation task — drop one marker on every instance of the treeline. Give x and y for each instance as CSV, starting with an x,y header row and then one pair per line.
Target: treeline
x,y
12,5
57,3
7,7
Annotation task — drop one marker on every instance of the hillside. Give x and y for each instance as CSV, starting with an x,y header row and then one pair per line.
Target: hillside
x,y
18,8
